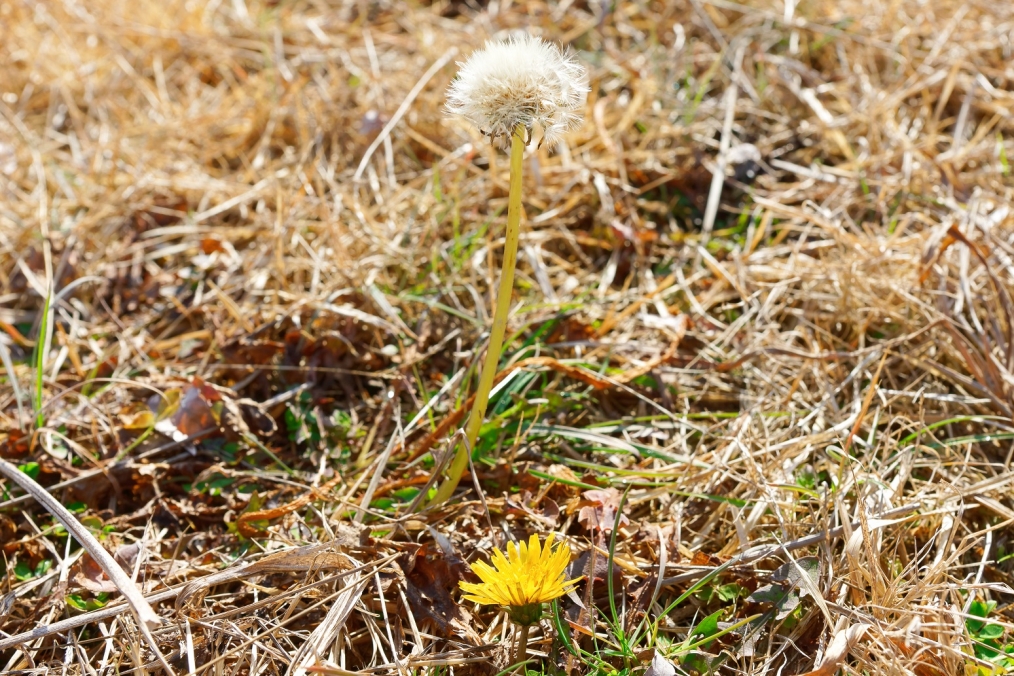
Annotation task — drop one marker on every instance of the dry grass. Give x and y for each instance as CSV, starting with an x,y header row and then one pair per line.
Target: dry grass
x,y
813,365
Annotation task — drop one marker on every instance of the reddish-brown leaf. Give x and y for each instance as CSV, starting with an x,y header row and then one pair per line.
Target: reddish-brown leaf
x,y
598,510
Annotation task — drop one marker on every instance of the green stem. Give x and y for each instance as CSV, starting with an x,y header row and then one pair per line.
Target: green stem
x,y
496,334
521,654
41,347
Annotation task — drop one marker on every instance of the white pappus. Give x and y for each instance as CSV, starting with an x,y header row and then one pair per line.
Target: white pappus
x,y
522,80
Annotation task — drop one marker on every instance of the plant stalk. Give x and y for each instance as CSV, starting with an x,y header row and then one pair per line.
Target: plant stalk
x,y
496,334
521,653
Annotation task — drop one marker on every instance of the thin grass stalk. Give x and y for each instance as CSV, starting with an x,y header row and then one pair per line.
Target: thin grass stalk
x,y
5,357
496,334
41,347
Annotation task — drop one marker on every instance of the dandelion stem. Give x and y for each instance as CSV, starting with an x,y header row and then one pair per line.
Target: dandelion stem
x,y
496,334
521,654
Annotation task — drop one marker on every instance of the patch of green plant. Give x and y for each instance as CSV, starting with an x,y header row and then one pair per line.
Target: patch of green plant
x,y
382,504
988,638
41,349
78,602
724,593
1002,555
213,485
406,494
31,469
301,420
24,572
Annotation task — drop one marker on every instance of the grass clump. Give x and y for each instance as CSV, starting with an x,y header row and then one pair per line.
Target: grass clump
x,y
755,372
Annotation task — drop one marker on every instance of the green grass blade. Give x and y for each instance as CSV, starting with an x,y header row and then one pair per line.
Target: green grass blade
x,y
41,348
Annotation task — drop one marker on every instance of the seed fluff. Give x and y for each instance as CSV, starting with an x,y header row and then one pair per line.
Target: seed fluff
x,y
524,81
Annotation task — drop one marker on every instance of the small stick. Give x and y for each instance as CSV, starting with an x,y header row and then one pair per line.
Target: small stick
x,y
147,618
718,178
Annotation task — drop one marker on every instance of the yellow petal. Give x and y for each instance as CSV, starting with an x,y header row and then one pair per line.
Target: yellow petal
x,y
531,572
534,553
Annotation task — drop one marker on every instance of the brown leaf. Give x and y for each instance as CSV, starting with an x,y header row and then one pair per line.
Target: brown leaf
x,y
318,557
249,351
210,245
90,576
660,666
246,524
925,662
549,515
700,559
194,414
429,584
598,510
8,529
16,445
582,566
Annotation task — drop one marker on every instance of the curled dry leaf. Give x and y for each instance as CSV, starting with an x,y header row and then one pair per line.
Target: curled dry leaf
x,y
598,510
660,666
545,511
137,417
182,413
843,641
316,557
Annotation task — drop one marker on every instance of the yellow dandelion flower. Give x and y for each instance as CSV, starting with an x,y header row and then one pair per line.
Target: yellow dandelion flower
x,y
527,577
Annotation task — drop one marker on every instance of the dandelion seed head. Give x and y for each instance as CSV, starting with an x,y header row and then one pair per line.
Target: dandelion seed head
x,y
525,81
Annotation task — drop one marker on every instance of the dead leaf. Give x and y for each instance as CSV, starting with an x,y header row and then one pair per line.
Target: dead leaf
x,y
318,557
660,666
15,445
192,414
700,559
137,417
789,585
582,566
700,662
126,556
598,510
550,510
793,572
843,641
252,352
90,576
8,529
210,245
428,587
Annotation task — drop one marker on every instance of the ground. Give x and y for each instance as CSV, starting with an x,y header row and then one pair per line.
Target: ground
x,y
759,372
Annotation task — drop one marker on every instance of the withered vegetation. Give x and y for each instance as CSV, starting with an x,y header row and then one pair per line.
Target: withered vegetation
x,y
759,373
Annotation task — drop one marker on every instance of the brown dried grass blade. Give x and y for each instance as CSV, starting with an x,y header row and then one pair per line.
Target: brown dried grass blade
x,y
147,618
